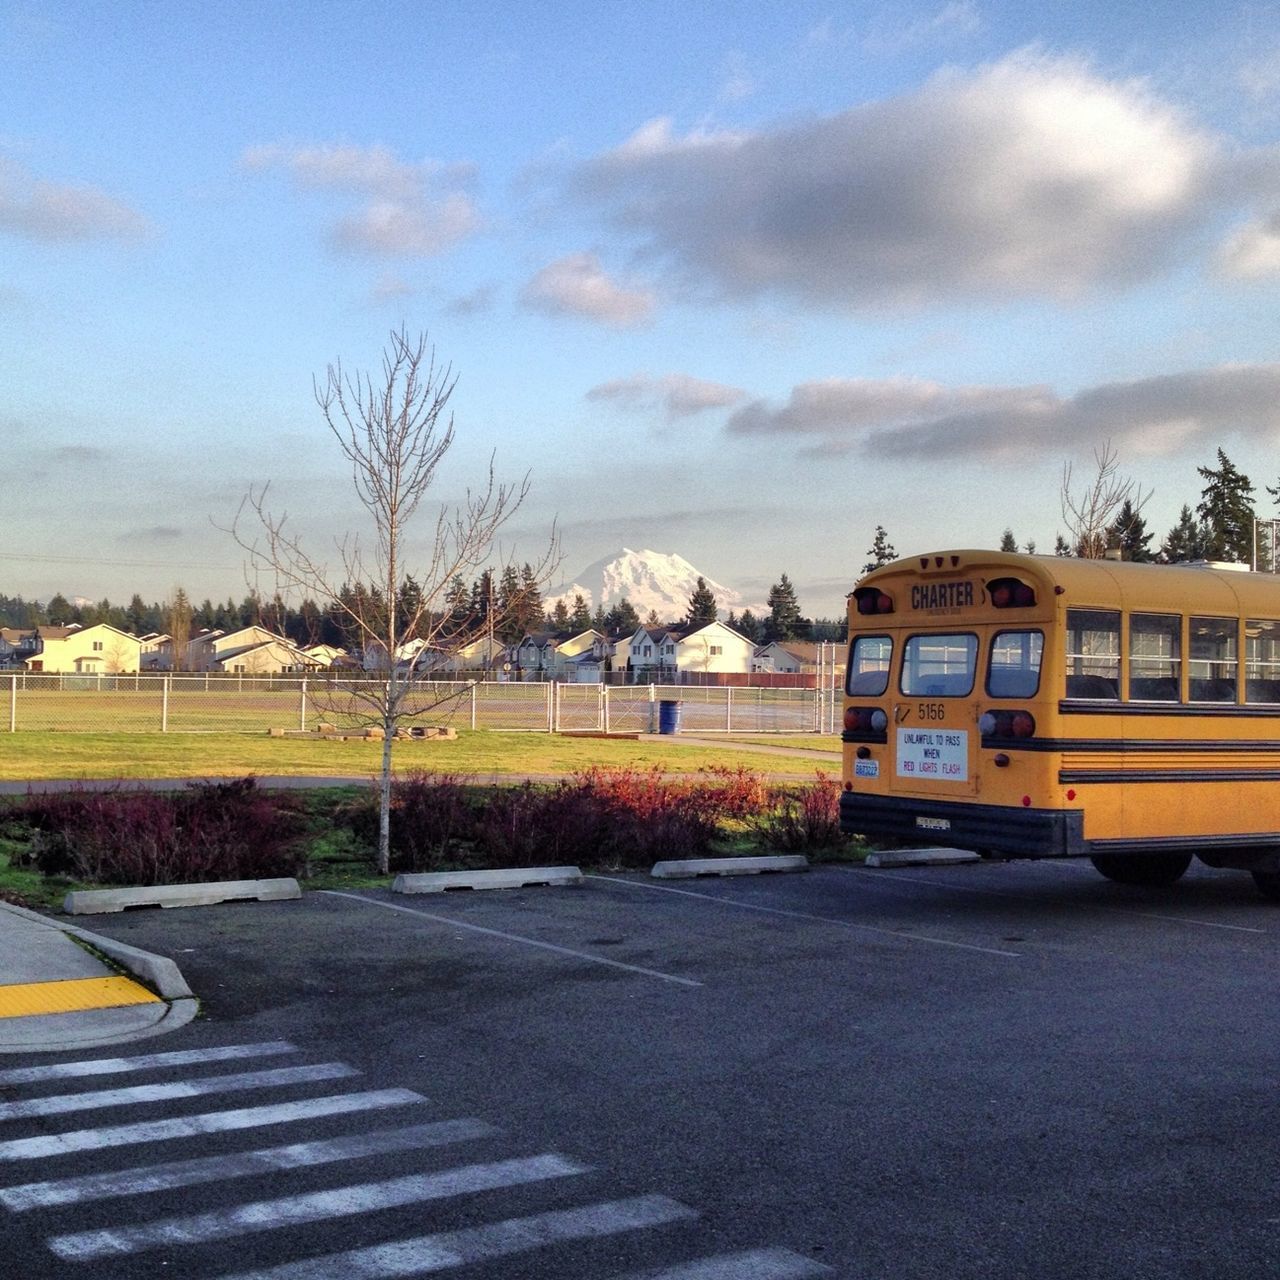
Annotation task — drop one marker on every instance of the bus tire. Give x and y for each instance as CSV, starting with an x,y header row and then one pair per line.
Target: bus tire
x,y
1268,883
1151,869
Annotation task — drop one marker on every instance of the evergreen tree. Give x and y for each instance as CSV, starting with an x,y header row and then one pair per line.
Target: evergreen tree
x,y
457,606
1185,541
750,626
1130,535
1061,547
881,551
1007,541
1226,510
702,606
408,606
653,620
558,618
59,611
783,622
510,625
622,619
580,617
529,608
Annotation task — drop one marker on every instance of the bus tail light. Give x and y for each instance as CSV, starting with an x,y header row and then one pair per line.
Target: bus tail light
x,y
1007,724
1011,593
873,600
865,720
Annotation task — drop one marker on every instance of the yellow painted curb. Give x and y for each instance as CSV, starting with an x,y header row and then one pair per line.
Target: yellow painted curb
x,y
71,996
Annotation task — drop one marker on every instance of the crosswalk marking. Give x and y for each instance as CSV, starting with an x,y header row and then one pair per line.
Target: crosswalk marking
x,y
60,1104
421,1255
57,1144
287,1211
187,1173
143,1062
415,1256
749,1264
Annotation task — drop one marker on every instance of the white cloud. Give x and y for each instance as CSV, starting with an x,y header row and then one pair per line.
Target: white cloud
x,y
411,210
61,212
678,395
1033,176
916,419
1253,251
578,285
894,34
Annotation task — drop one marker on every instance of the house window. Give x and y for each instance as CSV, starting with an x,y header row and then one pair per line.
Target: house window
x,y
97,646
717,650
648,651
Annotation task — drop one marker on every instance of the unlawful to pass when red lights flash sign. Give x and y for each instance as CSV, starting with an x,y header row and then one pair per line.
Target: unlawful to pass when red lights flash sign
x,y
939,754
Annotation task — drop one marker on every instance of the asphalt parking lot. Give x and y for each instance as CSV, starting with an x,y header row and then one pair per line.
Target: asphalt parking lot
x,y
1009,1070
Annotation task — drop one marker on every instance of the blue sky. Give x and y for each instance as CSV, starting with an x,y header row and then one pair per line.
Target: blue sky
x,y
736,280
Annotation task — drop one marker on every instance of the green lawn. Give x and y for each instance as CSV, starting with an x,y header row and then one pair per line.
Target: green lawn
x,y
59,755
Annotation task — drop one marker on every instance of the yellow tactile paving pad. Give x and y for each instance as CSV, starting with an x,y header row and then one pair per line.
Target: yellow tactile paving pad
x,y
71,996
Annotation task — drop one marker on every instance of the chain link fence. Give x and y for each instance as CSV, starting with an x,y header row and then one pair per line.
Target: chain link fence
x,y
215,703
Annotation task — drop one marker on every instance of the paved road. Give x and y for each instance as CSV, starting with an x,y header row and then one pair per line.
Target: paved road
x,y
996,1071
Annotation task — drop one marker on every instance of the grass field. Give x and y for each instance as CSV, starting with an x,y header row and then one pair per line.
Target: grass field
x,y
62,755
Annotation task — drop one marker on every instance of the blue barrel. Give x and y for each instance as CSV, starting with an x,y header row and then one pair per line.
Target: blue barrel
x,y
669,717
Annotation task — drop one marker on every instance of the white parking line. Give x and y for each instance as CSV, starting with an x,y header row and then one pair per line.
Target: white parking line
x,y
318,1206
515,937
145,1179
58,1144
144,1062
804,915
424,1254
61,1103
750,1264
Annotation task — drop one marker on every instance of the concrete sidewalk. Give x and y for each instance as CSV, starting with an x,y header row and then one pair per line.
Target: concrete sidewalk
x,y
62,987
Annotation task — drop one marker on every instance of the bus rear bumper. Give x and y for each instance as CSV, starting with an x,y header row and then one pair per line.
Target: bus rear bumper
x,y
985,828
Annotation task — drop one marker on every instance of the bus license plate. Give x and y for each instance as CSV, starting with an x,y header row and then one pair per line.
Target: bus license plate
x,y
934,824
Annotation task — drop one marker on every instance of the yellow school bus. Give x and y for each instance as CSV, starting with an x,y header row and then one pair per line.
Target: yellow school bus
x,y
1044,706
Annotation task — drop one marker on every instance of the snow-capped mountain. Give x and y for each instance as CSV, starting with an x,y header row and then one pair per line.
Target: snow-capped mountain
x,y
649,579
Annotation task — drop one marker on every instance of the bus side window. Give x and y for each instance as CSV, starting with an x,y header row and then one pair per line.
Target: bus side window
x,y
1261,662
1213,660
1155,657
1093,654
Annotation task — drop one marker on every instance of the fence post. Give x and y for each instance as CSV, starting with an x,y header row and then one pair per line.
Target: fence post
x,y
164,705
602,716
653,708
474,696
549,686
302,706
13,704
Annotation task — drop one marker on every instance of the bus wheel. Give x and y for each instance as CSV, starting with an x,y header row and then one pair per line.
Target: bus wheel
x,y
1143,868
1268,883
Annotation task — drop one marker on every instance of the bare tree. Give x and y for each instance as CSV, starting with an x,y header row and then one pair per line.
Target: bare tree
x,y
394,434
1090,514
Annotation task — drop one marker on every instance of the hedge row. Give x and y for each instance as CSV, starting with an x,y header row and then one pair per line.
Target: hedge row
x,y
236,830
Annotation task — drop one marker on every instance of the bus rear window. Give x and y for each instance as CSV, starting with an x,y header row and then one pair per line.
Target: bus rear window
x,y
1093,654
939,666
1013,670
869,666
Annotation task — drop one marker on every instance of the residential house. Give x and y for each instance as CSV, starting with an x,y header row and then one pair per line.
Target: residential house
x,y
11,643
550,655
157,651
325,655
713,649
786,657
248,650
97,650
665,655
486,654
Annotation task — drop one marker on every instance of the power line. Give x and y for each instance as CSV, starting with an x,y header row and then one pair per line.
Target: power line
x,y
120,564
